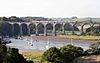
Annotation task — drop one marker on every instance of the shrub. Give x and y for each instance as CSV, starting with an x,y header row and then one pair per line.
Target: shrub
x,y
11,55
3,53
70,52
52,55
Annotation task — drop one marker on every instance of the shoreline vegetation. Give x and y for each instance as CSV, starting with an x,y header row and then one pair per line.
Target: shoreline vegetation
x,y
78,37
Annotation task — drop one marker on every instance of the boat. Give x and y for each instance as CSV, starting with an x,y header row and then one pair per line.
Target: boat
x,y
6,40
72,42
47,46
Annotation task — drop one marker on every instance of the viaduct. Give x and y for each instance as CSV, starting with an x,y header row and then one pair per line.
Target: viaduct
x,y
82,26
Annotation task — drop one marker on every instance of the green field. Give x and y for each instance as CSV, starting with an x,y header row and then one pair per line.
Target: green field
x,y
34,56
81,37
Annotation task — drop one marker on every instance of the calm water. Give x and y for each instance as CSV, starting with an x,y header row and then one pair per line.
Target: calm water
x,y
40,45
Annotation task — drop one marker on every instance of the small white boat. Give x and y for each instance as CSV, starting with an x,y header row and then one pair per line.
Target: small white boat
x,y
72,42
6,41
31,44
47,46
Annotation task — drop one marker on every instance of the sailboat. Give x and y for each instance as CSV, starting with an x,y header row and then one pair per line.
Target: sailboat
x,y
47,46
31,42
71,41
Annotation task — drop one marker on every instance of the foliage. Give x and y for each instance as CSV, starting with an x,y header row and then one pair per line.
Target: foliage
x,y
11,55
52,55
3,53
14,18
29,18
66,54
70,52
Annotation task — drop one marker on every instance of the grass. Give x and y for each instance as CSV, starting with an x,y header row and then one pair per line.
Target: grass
x,y
34,56
78,37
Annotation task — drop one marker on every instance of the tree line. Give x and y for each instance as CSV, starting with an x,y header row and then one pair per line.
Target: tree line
x,y
21,19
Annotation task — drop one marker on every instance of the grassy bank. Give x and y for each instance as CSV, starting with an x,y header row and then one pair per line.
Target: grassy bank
x,y
77,37
34,56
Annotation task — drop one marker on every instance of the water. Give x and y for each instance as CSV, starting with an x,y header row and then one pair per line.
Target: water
x,y
40,45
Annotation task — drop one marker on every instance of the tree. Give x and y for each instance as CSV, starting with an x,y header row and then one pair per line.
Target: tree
x,y
4,19
15,19
11,55
3,53
74,17
70,52
52,55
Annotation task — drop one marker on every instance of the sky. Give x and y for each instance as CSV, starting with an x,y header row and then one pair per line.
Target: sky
x,y
50,8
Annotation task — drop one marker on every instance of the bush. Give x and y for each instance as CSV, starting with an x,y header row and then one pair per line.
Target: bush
x,y
52,55
11,55
3,53
70,52
65,54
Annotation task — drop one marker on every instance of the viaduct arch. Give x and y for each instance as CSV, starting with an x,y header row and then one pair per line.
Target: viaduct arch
x,y
52,26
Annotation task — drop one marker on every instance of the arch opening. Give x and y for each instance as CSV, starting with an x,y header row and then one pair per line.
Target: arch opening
x,y
40,28
49,29
85,27
16,29
32,27
58,28
24,29
6,29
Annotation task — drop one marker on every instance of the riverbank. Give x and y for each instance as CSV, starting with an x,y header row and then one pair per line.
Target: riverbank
x,y
65,38
61,38
78,37
34,56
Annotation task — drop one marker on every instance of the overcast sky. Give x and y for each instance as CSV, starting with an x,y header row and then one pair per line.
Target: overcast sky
x,y
50,8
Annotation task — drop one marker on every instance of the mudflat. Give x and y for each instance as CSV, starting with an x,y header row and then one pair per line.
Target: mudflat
x,y
58,39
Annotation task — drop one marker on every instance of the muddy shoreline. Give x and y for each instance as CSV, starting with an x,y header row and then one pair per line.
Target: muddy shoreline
x,y
57,39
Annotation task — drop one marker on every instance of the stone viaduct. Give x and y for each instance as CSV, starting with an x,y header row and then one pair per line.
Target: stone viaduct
x,y
82,26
